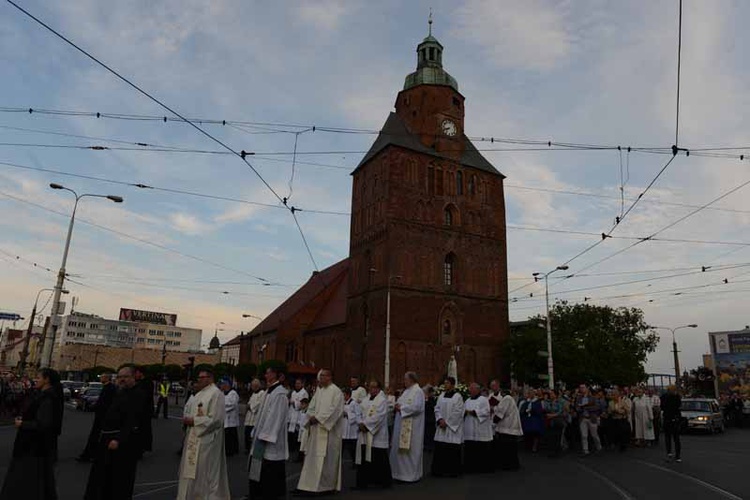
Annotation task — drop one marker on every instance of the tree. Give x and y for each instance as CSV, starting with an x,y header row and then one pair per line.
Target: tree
x,y
244,372
590,344
222,370
200,367
174,372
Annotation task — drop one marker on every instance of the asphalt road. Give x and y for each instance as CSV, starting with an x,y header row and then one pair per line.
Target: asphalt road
x,y
714,467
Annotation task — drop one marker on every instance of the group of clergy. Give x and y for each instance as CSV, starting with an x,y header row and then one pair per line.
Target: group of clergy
x,y
332,421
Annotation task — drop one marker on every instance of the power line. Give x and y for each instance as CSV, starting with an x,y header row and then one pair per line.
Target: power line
x,y
135,238
241,155
141,185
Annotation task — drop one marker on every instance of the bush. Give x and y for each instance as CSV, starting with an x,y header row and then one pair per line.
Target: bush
x,y
271,363
92,374
244,372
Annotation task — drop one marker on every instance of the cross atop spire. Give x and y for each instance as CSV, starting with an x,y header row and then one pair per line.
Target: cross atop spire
x,y
429,23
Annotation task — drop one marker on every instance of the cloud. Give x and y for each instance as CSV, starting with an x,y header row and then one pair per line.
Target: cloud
x,y
532,34
324,15
188,224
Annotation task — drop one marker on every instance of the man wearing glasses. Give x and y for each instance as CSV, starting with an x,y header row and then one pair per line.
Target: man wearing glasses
x,y
203,469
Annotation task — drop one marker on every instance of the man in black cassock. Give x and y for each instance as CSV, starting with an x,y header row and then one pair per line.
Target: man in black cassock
x,y
102,405
145,388
112,475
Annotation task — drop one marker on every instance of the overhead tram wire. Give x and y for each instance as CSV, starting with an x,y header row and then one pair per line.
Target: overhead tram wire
x,y
240,155
135,238
167,190
291,128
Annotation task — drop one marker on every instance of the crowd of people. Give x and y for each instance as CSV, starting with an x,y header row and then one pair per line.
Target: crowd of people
x,y
383,432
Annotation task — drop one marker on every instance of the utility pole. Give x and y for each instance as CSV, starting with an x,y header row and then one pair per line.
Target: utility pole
x,y
550,362
49,343
674,348
30,329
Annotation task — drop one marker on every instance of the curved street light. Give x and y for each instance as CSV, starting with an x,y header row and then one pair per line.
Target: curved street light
x,y
674,347
48,344
550,363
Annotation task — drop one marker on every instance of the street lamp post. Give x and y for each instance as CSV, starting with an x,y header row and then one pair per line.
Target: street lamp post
x,y
674,347
50,342
27,339
550,363
388,332
260,348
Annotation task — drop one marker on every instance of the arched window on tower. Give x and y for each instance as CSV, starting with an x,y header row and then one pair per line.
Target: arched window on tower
x,y
473,185
291,352
459,183
449,266
448,217
447,328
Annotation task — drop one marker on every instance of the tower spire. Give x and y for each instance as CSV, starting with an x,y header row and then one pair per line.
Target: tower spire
x,y
429,23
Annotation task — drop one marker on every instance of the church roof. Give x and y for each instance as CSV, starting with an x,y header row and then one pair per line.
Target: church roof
x,y
395,133
333,312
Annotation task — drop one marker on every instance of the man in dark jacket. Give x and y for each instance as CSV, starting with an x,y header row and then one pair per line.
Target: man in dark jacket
x,y
112,475
145,389
672,420
102,405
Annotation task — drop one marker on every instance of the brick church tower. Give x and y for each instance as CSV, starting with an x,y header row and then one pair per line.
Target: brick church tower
x,y
428,224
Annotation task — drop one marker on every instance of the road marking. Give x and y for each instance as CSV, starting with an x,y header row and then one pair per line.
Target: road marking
x,y
623,494
154,491
710,486
157,484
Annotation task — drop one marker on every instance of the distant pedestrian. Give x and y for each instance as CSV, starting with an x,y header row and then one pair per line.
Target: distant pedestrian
x,y
112,475
231,418
106,397
163,401
672,419
30,475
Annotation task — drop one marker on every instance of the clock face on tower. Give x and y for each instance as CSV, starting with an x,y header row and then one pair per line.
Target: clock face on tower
x,y
449,128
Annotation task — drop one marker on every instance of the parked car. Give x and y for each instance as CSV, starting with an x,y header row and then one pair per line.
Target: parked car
x,y
702,414
176,388
74,387
98,385
88,398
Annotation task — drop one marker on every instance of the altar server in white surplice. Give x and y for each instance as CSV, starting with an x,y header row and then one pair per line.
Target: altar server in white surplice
x,y
373,467
477,432
203,469
324,429
449,417
269,452
352,419
408,432
298,394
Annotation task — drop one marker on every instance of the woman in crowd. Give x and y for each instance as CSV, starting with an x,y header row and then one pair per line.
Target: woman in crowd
x,y
31,472
532,418
556,413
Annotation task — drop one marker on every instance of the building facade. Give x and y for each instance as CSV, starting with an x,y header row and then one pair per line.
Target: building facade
x,y
80,328
427,230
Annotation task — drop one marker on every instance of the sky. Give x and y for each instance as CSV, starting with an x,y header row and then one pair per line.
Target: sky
x,y
584,72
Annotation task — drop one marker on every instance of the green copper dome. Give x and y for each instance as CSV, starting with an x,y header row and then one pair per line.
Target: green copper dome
x,y
430,66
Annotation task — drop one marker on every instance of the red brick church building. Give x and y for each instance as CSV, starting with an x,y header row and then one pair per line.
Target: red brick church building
x,y
428,223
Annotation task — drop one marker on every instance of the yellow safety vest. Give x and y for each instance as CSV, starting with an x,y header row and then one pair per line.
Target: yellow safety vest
x,y
164,390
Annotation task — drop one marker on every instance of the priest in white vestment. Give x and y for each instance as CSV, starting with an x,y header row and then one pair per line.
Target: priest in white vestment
x,y
359,393
449,418
203,469
321,471
269,452
251,416
477,432
643,417
298,394
408,432
352,419
373,467
508,429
